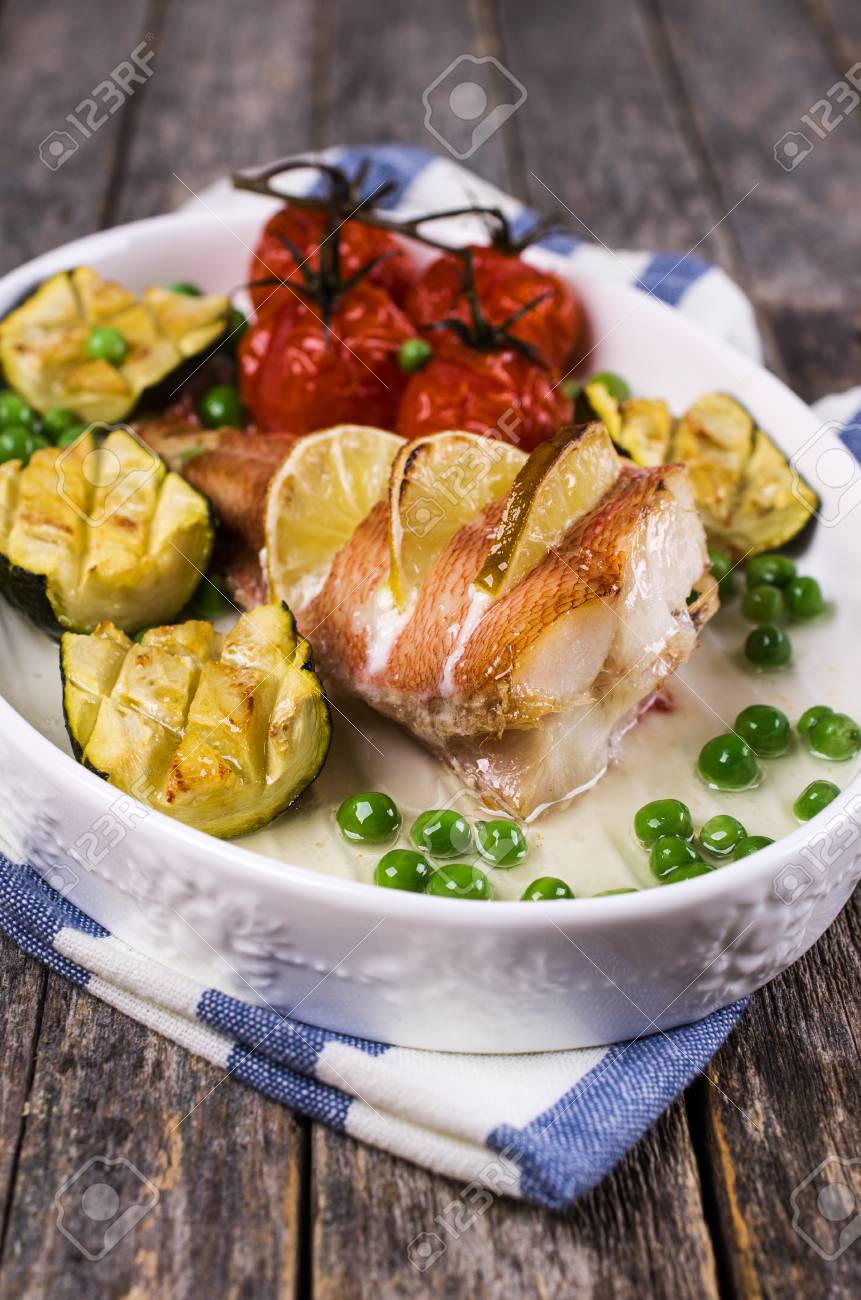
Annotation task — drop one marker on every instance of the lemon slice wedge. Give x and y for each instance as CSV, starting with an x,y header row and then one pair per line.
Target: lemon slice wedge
x,y
562,480
320,493
438,484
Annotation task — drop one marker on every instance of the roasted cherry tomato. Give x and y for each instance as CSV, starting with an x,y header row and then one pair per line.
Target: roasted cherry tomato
x,y
307,230
504,283
296,374
501,394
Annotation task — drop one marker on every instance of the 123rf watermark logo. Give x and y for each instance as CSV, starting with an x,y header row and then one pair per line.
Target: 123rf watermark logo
x,y
110,480
101,1203
826,463
826,1206
469,101
820,120
105,99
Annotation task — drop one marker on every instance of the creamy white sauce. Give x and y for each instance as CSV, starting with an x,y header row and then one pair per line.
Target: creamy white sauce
x,y
590,844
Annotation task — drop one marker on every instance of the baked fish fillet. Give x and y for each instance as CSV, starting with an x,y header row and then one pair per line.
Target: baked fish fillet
x,y
526,696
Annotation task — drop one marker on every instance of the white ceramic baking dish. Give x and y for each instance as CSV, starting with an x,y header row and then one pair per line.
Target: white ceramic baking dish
x,y
287,917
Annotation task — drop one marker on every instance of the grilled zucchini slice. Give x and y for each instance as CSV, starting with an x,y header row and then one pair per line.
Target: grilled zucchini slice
x,y
91,532
43,343
749,496
645,431
222,732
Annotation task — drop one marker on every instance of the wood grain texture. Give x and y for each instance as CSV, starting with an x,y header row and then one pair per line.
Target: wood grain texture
x,y
786,1100
229,90
750,72
53,55
376,61
641,1232
225,1164
22,989
601,129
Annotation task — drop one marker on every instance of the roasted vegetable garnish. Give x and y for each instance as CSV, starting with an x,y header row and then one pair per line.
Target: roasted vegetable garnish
x,y
89,533
47,346
645,431
773,503
750,498
222,732
748,495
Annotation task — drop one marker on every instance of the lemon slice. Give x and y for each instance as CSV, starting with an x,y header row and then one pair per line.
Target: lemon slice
x,y
562,481
439,483
321,492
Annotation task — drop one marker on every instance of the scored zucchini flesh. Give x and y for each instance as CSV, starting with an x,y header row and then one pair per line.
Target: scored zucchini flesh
x,y
91,532
43,343
748,494
221,731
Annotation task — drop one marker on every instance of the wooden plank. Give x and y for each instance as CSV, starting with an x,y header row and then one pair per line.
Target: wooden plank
x,y
228,1174
750,76
792,1067
232,89
375,62
640,1232
601,130
52,56
22,988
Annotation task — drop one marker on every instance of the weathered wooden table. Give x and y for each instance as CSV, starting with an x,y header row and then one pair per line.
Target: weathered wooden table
x,y
654,121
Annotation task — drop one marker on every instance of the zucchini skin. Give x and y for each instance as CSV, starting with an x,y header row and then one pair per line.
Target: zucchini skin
x,y
28,593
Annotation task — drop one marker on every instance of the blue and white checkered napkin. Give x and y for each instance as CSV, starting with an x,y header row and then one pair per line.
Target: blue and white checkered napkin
x,y
545,1126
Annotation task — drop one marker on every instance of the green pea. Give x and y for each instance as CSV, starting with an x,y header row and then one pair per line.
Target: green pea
x,y
668,852
804,599
70,435
14,441
768,646
368,818
811,716
442,833
459,880
571,389
687,871
836,737
56,421
662,817
750,844
721,834
614,384
814,798
186,287
774,570
403,869
501,842
728,763
765,729
413,354
106,344
546,889
221,408
14,411
722,569
763,604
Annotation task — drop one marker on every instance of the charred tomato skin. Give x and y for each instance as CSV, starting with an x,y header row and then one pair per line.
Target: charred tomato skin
x,y
295,374
308,229
504,283
499,394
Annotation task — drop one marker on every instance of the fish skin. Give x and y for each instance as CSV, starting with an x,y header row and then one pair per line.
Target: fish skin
x,y
232,467
586,566
463,697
